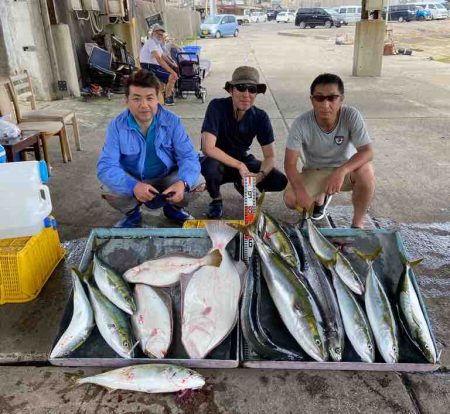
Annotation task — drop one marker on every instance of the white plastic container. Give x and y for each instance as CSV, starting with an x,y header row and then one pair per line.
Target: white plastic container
x,y
24,200
28,173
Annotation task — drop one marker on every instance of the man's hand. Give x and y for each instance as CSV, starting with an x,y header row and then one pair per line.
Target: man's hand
x,y
178,192
335,181
303,200
144,192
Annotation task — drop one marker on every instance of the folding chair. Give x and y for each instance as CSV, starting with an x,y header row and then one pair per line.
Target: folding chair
x,y
22,90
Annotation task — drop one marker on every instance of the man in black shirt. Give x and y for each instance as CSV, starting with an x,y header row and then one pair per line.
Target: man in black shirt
x,y
228,130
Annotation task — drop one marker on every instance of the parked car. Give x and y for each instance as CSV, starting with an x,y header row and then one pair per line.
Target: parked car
x,y
351,14
285,17
219,25
316,16
400,13
437,10
422,13
257,17
243,18
334,13
271,14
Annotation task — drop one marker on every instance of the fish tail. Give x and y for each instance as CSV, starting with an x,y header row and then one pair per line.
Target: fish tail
x,y
410,263
220,233
214,258
369,257
84,276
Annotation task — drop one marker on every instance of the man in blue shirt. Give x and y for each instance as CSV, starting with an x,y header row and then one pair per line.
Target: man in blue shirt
x,y
228,130
148,157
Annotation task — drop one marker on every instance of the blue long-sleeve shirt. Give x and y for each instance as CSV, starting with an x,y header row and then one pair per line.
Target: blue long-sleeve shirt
x,y
122,160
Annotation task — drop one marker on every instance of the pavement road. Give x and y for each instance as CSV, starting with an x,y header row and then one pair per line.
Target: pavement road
x,y
407,112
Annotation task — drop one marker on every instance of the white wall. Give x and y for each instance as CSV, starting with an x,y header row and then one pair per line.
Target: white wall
x,y
21,25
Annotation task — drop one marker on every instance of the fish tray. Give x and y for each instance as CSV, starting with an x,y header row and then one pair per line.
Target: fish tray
x,y
123,249
388,266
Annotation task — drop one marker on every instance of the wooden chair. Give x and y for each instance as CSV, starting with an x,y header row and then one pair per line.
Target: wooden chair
x,y
22,90
47,129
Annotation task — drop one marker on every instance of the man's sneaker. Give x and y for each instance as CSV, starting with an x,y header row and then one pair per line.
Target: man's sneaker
x,y
319,211
169,101
132,219
177,214
215,209
239,188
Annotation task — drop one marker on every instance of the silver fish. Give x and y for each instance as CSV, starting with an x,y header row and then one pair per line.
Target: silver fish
x,y
294,301
113,286
412,315
328,253
165,271
356,324
152,322
150,378
251,329
326,299
211,298
81,324
379,312
111,322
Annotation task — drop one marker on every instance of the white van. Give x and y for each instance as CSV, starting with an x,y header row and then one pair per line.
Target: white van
x,y
351,14
437,10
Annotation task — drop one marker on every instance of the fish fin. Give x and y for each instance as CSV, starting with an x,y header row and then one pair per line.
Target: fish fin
x,y
368,257
220,233
410,263
214,258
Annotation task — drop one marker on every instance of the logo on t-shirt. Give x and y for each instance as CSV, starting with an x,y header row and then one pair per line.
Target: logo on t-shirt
x,y
338,139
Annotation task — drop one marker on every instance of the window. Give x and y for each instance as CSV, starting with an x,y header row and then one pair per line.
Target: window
x,y
352,10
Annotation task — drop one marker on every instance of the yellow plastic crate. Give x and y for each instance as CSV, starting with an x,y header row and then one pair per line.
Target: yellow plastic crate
x,y
200,224
26,263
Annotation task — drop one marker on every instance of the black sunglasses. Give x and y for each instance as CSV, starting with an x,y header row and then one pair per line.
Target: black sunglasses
x,y
329,98
242,87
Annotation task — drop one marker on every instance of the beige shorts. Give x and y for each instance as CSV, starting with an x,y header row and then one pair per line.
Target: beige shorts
x,y
315,180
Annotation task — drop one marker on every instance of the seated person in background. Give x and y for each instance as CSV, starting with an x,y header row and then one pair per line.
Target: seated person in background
x,y
154,59
147,157
228,130
337,150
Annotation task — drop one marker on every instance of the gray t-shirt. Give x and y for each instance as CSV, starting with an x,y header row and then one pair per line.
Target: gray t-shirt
x,y
332,149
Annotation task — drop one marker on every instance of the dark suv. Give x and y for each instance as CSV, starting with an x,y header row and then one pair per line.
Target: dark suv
x,y
313,17
401,13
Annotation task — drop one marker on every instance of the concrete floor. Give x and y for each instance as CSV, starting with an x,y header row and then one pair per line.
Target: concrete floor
x,y
407,113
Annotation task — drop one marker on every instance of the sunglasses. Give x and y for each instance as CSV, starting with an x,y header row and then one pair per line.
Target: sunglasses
x,y
329,98
243,87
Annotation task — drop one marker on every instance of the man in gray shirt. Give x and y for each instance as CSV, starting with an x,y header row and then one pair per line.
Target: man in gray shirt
x,y
337,152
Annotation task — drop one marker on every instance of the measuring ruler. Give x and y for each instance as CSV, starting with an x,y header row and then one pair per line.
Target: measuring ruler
x,y
249,215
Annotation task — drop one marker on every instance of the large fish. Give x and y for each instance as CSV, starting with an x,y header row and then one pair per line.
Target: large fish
x,y
150,378
253,333
356,325
152,321
276,237
166,271
211,297
329,253
111,322
81,324
113,286
379,312
412,314
294,301
326,299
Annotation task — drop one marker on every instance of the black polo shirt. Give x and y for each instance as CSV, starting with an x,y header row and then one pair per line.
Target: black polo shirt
x,y
233,137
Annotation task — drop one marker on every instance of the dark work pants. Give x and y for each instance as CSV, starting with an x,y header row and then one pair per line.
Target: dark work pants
x,y
216,174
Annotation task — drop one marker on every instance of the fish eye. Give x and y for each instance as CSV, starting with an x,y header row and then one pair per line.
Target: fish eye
x,y
337,350
426,346
369,347
318,342
394,348
125,343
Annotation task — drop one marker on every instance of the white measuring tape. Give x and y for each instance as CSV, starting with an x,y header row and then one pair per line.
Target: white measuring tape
x,y
249,214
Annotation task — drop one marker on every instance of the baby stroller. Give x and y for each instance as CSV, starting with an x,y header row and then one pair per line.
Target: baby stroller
x,y
191,76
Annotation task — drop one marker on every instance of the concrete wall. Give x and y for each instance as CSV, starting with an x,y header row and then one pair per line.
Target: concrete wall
x,y
182,23
21,25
